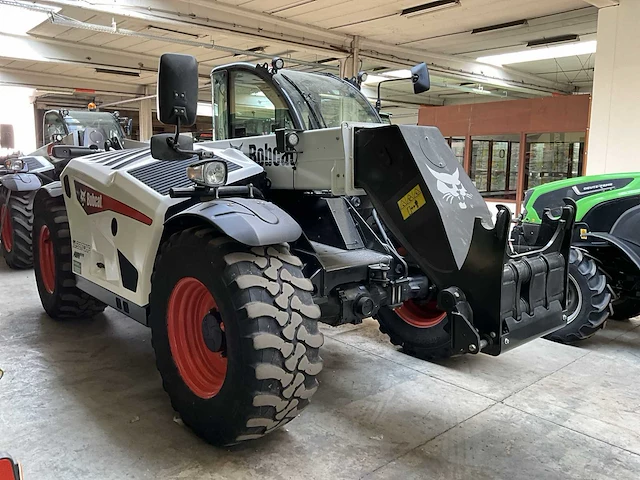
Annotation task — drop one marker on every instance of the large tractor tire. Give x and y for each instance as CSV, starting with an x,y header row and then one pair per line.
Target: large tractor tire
x,y
235,333
17,224
52,261
625,308
588,300
419,328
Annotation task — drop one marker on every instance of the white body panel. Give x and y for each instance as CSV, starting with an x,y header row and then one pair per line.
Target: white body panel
x,y
323,160
95,187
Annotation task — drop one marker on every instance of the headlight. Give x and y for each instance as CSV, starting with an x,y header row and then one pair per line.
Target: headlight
x,y
210,174
14,164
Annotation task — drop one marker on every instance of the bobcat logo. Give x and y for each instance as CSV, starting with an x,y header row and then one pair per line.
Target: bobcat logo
x,y
236,147
451,188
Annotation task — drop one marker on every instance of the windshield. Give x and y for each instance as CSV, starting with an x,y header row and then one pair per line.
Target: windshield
x,y
331,100
93,128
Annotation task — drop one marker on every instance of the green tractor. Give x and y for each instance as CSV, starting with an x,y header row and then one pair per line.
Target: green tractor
x,y
604,270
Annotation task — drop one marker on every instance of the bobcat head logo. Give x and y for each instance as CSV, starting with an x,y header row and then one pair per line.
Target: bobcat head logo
x,y
451,188
237,147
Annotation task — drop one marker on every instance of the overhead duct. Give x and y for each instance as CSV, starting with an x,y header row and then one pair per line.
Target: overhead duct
x,y
58,19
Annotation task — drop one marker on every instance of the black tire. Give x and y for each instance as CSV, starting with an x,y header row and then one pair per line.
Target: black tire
x,y
64,299
588,300
625,308
270,332
430,343
18,252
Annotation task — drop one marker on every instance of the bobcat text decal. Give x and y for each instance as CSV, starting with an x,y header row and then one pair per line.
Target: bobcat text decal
x,y
270,156
93,201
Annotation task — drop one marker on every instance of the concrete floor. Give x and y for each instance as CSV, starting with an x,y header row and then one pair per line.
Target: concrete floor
x,y
83,400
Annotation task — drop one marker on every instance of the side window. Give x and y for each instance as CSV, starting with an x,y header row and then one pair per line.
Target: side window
x,y
53,125
220,106
256,108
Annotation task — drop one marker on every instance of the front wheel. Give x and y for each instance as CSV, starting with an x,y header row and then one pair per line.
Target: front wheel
x,y
419,328
588,300
17,223
235,334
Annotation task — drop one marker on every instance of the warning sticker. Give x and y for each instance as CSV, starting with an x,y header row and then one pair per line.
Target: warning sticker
x,y
77,267
411,202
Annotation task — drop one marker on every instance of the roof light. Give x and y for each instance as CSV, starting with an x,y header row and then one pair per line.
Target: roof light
x,y
543,42
560,51
429,7
501,26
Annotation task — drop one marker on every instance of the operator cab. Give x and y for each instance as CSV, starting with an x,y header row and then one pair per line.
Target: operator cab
x,y
88,128
253,100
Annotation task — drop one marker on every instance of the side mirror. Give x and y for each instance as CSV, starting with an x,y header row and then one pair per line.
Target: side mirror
x,y
177,89
420,78
161,149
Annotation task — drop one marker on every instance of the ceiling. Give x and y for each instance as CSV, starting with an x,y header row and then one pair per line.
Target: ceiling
x,y
112,49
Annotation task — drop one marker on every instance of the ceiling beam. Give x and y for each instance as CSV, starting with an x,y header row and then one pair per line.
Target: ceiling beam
x,y
603,3
204,16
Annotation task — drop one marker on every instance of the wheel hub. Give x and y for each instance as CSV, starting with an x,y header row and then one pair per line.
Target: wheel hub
x,y
420,314
213,334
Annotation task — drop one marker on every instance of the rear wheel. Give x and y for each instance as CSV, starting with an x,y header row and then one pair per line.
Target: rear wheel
x,y
17,223
52,264
235,334
588,300
419,328
625,308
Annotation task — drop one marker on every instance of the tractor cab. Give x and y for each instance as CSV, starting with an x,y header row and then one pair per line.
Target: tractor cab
x,y
87,128
253,100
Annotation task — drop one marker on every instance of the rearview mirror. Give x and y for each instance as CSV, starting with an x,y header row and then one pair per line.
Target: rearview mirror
x,y
177,89
420,78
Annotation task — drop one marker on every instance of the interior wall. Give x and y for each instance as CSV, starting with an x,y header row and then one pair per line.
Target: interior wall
x,y
17,110
615,121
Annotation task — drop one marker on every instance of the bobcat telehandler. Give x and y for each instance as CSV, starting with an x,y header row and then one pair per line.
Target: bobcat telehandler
x,y
21,177
604,262
305,208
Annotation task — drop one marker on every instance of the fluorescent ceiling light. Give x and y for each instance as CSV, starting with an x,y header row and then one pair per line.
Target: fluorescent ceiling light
x,y
543,42
17,20
501,26
429,7
560,51
393,74
204,110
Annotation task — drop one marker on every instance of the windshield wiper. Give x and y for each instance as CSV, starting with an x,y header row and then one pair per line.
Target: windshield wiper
x,y
315,114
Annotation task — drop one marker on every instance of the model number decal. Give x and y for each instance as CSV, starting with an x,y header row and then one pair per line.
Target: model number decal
x,y
411,202
93,202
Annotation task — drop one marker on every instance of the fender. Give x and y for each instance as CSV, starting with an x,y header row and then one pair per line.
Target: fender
x,y
627,249
21,182
249,221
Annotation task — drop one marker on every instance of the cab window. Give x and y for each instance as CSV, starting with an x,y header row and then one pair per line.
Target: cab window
x,y
220,105
256,108
53,125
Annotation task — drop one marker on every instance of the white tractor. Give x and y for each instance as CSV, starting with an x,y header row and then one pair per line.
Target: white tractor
x,y
306,207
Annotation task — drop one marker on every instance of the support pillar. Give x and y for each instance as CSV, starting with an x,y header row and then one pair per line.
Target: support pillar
x,y
145,117
615,122
350,66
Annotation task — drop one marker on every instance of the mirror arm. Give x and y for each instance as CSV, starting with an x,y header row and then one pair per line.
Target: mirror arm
x,y
379,100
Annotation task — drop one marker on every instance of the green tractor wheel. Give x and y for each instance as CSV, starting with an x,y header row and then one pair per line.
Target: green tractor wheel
x,y
588,299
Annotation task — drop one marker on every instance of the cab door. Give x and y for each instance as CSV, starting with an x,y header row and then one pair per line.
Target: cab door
x,y
247,110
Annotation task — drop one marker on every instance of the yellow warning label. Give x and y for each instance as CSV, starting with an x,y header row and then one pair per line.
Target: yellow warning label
x,y
583,233
411,202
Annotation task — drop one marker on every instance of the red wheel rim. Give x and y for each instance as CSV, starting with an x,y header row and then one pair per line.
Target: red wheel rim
x,y
423,315
47,259
202,370
7,231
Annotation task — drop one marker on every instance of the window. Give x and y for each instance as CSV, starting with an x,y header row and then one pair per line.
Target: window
x,y
553,156
256,108
53,125
457,146
494,165
331,100
220,106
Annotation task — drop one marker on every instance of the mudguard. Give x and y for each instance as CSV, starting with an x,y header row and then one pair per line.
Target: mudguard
x,y
21,182
626,248
248,221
